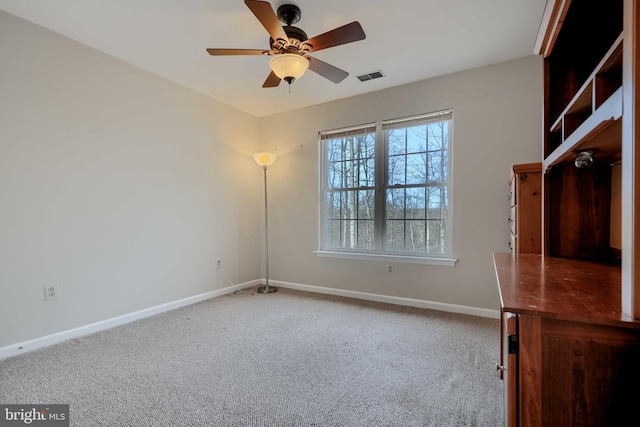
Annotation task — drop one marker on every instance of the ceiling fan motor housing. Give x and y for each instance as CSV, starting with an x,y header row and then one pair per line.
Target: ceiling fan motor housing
x,y
296,37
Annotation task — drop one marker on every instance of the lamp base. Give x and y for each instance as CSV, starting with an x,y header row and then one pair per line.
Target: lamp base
x,y
266,289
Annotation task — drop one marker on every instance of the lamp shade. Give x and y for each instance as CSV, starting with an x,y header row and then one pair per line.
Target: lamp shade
x,y
289,65
264,159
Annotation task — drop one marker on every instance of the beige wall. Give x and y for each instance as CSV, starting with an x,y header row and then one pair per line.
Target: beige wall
x,y
123,188
497,117
115,184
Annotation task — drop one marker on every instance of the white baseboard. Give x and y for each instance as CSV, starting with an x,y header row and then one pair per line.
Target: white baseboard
x,y
34,344
410,302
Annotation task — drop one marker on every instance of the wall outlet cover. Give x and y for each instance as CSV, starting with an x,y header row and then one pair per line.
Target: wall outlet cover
x,y
51,292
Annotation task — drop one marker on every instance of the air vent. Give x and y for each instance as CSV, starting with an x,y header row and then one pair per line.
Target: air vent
x,y
370,76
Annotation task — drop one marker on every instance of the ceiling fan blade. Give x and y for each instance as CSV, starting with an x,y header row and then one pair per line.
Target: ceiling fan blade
x,y
327,71
218,52
342,35
267,17
272,80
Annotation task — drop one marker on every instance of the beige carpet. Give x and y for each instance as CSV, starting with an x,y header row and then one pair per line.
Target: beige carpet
x,y
286,359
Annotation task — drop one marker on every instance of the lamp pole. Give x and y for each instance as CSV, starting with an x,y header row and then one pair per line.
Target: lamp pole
x,y
266,289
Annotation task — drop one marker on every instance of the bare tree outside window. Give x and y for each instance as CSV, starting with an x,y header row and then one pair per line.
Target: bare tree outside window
x,y
402,165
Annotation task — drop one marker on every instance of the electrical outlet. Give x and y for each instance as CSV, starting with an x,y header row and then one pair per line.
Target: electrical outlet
x,y
219,263
390,269
51,292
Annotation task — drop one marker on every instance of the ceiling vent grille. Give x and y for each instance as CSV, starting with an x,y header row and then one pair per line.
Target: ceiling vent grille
x,y
370,76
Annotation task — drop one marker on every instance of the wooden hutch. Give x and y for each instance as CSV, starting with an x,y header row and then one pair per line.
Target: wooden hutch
x,y
525,197
571,314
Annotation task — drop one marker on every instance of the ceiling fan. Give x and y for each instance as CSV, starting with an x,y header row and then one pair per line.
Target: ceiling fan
x,y
290,46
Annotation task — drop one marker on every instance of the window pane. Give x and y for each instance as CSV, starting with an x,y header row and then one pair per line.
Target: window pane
x,y
415,203
437,166
438,141
416,169
333,205
395,235
397,141
366,173
335,175
333,233
334,150
349,204
347,234
367,145
415,237
416,139
365,234
438,135
397,170
366,204
407,163
395,203
437,203
437,236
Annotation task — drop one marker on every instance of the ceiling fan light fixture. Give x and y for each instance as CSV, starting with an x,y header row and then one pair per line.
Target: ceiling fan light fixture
x,y
289,66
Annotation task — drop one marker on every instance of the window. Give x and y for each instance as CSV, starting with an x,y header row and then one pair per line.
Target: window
x,y
385,188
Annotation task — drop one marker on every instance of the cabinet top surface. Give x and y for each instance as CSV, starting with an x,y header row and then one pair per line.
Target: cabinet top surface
x,y
561,288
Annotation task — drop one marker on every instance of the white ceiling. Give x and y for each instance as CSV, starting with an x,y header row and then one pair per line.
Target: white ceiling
x,y
409,40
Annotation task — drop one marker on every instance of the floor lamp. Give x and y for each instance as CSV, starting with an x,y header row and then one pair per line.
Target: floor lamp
x,y
264,160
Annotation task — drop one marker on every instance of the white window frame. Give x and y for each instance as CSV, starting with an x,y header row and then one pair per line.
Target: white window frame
x,y
381,179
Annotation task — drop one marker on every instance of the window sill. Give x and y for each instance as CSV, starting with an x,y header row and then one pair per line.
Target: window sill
x,y
450,262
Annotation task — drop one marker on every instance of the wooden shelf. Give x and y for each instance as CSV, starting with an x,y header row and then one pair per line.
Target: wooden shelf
x,y
594,134
595,106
